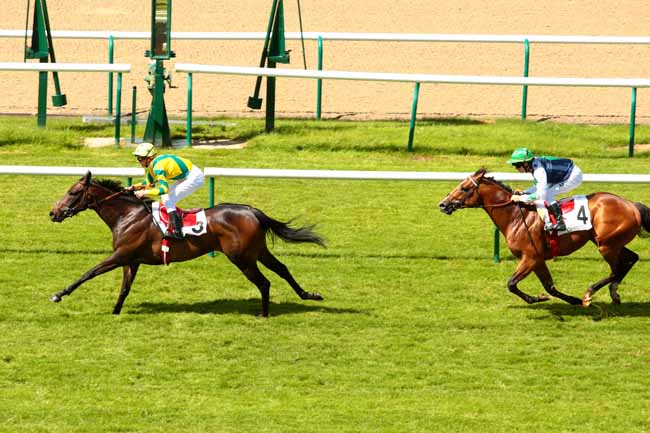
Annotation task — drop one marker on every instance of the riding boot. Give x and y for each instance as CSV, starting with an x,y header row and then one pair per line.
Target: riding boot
x,y
177,225
560,226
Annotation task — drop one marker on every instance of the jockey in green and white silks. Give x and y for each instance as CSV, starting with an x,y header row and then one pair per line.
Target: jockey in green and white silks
x,y
551,176
169,177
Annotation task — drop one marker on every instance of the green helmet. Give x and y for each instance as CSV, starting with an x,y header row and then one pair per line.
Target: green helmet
x,y
521,154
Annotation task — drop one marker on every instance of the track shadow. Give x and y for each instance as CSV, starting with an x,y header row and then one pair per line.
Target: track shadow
x,y
236,306
597,310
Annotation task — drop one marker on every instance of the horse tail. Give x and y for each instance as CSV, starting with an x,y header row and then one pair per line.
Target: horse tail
x,y
645,215
287,233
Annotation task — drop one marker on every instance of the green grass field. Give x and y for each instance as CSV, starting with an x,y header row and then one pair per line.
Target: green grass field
x,y
417,332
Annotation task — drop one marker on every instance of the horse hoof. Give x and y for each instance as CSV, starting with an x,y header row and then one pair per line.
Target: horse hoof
x,y
55,298
316,296
586,301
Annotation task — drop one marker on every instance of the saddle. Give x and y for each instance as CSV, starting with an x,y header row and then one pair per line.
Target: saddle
x,y
194,220
576,215
194,224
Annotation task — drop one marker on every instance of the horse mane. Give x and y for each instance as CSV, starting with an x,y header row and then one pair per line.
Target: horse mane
x,y
110,184
493,180
500,184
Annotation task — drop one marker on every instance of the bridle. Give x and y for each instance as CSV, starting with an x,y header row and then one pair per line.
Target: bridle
x,y
460,202
77,204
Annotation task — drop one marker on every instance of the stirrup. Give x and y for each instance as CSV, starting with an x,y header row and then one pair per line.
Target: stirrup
x,y
559,227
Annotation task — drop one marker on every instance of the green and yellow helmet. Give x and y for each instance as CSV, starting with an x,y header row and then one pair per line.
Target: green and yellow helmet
x,y
145,150
521,154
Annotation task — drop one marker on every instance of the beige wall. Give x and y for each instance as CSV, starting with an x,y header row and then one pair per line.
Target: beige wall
x,y
214,95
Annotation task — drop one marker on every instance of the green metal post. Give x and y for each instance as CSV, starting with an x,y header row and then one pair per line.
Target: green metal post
x,y
134,119
118,110
41,118
110,75
495,257
58,99
211,198
524,98
414,111
157,129
129,181
632,123
270,101
319,82
189,109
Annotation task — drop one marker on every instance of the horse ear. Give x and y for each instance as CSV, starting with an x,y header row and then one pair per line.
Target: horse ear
x,y
86,178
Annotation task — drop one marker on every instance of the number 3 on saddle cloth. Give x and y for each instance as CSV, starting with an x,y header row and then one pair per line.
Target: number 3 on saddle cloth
x,y
194,224
576,215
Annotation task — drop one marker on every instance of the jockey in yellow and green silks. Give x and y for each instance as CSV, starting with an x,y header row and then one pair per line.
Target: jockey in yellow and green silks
x,y
169,177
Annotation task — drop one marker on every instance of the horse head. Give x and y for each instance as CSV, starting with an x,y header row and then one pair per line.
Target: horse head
x,y
464,195
75,200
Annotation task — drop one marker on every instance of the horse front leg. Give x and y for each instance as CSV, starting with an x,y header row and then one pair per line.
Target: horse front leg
x,y
128,275
524,267
106,265
544,276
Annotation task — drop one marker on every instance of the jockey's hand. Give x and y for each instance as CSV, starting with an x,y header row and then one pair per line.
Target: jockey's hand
x,y
140,194
516,198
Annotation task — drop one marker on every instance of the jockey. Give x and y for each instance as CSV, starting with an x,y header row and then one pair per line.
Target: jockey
x,y
551,176
169,177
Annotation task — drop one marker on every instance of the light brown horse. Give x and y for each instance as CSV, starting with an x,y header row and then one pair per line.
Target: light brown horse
x,y
615,222
239,231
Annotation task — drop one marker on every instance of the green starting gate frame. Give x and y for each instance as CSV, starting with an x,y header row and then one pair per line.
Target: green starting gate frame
x,y
273,52
157,129
42,49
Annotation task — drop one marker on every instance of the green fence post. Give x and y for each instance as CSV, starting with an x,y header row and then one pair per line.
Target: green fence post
x,y
524,97
632,123
110,75
134,119
414,110
319,82
41,118
495,257
211,196
129,181
189,109
118,110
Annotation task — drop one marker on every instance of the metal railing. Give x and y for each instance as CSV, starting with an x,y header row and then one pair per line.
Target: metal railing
x,y
633,83
320,37
212,172
72,67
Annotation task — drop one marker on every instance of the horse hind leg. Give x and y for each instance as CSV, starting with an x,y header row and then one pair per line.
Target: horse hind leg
x,y
628,259
272,263
620,263
256,277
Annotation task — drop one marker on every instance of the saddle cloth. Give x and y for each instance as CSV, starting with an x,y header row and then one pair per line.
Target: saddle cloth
x,y
576,214
194,220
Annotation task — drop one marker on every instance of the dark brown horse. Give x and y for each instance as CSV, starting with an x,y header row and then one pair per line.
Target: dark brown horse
x,y
615,222
239,231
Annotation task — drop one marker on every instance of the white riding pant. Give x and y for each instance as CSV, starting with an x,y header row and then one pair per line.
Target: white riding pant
x,y
182,188
574,180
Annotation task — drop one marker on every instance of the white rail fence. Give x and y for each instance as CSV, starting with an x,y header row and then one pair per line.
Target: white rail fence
x,y
212,172
346,36
190,69
44,68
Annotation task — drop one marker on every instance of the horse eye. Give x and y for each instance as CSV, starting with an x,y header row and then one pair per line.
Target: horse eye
x,y
464,189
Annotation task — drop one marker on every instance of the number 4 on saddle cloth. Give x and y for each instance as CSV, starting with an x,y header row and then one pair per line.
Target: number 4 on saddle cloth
x,y
194,220
577,217
576,214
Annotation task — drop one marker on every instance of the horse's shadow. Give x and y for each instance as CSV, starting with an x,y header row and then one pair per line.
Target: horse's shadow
x,y
597,310
235,306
